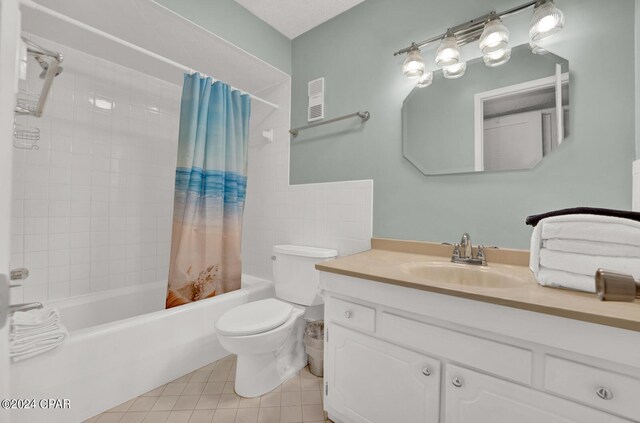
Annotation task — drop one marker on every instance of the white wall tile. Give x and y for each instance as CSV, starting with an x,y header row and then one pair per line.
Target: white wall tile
x,y
93,208
90,184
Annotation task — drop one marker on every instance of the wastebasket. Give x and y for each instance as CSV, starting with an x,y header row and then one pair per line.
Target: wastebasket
x,y
314,345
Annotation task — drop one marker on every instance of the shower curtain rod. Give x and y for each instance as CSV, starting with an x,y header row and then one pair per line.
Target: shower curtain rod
x,y
35,6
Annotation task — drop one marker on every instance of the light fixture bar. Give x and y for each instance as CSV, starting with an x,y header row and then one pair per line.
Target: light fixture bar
x,y
469,31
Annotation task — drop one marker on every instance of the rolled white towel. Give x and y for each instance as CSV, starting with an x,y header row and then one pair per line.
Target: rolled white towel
x,y
591,228
584,264
34,332
592,247
560,279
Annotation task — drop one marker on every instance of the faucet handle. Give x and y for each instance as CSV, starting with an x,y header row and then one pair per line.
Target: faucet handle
x,y
456,251
481,255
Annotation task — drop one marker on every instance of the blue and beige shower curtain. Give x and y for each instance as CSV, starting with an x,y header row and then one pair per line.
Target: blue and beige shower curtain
x,y
210,191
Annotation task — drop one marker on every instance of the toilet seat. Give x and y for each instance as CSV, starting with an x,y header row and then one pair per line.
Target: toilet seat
x,y
254,317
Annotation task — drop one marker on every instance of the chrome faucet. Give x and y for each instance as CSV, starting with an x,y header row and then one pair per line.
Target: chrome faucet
x,y
463,252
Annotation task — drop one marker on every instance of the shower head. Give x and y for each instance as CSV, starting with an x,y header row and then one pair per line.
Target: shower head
x,y
45,67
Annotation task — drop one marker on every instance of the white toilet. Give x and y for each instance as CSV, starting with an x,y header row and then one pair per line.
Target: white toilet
x,y
267,335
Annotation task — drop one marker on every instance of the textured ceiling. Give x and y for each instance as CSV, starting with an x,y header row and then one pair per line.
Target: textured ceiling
x,y
295,17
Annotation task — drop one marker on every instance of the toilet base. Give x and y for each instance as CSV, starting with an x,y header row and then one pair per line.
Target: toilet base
x,y
257,374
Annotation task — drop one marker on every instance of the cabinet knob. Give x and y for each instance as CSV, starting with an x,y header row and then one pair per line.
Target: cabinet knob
x,y
457,382
426,371
347,314
604,393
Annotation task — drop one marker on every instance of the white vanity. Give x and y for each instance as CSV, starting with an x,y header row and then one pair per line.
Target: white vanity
x,y
397,353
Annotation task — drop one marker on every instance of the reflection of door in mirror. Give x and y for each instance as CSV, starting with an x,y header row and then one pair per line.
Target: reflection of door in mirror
x,y
519,124
512,141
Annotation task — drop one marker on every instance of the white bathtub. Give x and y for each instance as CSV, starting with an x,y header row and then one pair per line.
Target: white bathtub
x,y
123,343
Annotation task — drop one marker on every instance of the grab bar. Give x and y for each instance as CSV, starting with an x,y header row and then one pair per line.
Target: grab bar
x,y
362,115
25,307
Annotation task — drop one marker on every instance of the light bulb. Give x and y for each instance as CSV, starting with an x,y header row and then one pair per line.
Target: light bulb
x,y
536,49
547,20
448,53
497,58
425,80
454,71
495,37
413,65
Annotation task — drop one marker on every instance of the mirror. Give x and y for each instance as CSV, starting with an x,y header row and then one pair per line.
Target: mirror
x,y
491,119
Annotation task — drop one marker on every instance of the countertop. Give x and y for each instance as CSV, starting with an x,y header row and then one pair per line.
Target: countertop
x,y
390,261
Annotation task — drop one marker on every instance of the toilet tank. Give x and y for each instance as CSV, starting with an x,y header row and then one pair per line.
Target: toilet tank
x,y
294,274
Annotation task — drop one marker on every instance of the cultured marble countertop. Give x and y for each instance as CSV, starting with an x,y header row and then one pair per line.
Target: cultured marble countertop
x,y
398,262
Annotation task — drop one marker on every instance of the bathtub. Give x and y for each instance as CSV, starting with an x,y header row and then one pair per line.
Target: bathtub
x,y
121,344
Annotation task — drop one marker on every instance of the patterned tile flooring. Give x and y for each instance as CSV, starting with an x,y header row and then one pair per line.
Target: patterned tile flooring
x,y
207,396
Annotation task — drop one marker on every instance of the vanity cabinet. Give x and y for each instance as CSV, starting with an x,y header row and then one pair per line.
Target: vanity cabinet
x,y
473,397
395,354
375,381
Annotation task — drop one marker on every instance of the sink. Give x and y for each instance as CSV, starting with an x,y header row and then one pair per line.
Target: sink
x,y
464,274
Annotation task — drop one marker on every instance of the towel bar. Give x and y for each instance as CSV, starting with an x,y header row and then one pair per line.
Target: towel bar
x,y
365,116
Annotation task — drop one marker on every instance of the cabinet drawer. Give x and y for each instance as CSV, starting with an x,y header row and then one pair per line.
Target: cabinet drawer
x,y
595,387
473,397
351,314
494,357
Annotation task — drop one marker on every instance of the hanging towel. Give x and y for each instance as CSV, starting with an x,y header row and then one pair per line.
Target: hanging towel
x,y
533,220
591,247
560,279
35,332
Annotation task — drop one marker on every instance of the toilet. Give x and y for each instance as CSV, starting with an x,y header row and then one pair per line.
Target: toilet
x,y
267,335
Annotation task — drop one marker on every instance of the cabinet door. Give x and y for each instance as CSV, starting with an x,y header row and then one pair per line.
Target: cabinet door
x,y
372,381
476,398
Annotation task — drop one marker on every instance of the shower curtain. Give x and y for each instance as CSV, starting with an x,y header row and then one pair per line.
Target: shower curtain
x,y
210,191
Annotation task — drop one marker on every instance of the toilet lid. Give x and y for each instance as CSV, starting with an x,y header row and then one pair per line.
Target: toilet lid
x,y
255,317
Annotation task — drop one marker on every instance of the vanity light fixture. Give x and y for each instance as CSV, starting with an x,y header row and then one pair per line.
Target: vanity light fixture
x,y
448,53
454,71
498,58
425,80
413,65
547,20
493,37
536,49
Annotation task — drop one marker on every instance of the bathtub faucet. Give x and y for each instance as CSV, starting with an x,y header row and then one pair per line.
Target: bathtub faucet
x,y
25,307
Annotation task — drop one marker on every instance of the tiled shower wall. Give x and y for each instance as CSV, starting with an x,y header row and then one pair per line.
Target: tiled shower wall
x,y
92,206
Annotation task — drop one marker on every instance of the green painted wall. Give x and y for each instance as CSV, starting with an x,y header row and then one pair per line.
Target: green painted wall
x,y
234,23
354,53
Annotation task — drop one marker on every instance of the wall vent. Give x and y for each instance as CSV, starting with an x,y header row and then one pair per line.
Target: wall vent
x,y
315,90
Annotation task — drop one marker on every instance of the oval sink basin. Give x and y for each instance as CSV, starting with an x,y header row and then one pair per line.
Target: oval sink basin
x,y
464,274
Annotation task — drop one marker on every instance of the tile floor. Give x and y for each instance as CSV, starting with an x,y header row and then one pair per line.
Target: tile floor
x,y
207,396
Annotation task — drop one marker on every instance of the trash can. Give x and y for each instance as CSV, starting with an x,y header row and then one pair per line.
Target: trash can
x,y
314,345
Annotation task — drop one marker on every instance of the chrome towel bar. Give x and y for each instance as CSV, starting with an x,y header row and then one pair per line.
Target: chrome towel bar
x,y
362,115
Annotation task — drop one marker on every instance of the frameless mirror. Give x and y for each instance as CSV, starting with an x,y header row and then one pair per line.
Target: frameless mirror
x,y
502,118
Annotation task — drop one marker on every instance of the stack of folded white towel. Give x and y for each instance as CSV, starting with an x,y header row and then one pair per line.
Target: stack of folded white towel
x,y
567,250
35,332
